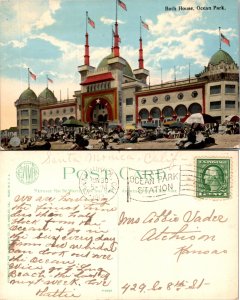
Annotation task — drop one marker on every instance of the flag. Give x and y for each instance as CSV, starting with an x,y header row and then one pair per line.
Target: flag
x,y
225,40
91,22
145,25
50,80
122,4
34,77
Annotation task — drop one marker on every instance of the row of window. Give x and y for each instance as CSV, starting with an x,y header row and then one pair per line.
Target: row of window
x,y
25,112
99,86
179,110
180,96
229,88
167,111
100,106
56,122
71,109
216,89
25,122
26,131
217,104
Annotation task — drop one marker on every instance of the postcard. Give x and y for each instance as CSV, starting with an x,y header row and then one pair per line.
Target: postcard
x,y
119,74
119,225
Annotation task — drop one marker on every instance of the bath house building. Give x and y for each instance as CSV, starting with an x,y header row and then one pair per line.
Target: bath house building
x,y
112,93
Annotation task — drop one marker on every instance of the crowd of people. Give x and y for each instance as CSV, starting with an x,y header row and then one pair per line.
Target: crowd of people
x,y
79,137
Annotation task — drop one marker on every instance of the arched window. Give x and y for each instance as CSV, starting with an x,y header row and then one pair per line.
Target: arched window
x,y
45,123
195,108
144,113
51,122
57,121
167,111
155,113
181,110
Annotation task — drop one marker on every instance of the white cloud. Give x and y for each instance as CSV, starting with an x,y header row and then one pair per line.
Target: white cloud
x,y
47,18
15,43
26,16
108,21
54,5
21,66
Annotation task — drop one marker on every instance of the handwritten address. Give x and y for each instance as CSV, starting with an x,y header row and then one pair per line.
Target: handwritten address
x,y
186,230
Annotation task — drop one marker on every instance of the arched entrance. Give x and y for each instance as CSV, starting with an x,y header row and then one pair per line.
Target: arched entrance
x,y
99,112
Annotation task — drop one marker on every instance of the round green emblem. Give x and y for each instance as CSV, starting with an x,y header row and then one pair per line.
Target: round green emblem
x,y
27,172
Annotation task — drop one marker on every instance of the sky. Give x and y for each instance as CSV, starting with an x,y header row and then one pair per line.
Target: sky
x,y
48,36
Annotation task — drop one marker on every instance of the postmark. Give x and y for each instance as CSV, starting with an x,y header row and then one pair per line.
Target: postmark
x,y
99,183
213,178
152,185
27,172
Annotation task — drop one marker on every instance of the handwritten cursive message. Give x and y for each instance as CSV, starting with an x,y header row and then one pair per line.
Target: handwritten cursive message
x,y
62,243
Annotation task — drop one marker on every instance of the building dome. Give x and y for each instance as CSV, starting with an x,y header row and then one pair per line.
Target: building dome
x,y
220,56
127,70
47,96
28,94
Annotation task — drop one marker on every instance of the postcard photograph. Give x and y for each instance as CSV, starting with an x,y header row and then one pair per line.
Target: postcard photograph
x,y
133,74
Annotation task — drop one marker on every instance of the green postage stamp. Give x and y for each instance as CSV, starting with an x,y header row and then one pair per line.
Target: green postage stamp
x,y
213,178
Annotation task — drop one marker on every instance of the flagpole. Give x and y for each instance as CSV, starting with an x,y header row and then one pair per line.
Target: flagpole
x,y
28,79
140,27
175,74
161,75
220,37
116,11
112,36
189,75
47,80
86,21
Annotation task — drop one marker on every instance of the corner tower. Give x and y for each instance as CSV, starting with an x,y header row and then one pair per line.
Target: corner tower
x,y
28,116
221,77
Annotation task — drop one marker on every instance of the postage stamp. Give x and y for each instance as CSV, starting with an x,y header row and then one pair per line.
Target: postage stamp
x,y
213,178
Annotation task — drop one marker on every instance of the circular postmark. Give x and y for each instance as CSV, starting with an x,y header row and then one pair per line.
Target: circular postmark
x,y
27,172
99,183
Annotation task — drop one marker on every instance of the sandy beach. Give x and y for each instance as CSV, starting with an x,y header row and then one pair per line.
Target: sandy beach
x,y
221,142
